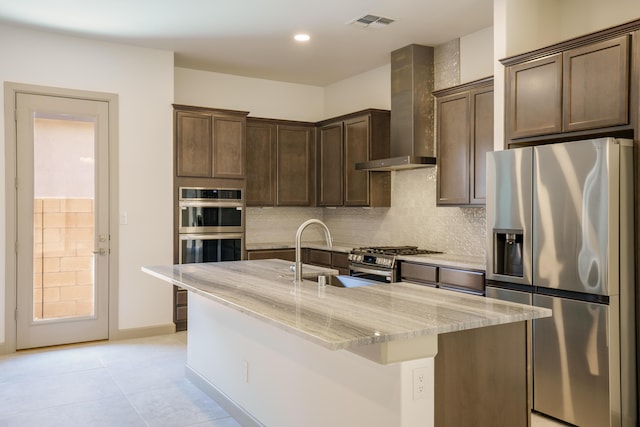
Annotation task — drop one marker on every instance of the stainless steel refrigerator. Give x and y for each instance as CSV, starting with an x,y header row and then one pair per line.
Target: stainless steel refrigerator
x,y
560,236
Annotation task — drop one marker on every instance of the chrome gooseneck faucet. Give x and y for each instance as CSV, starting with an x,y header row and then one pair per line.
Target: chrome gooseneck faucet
x,y
327,236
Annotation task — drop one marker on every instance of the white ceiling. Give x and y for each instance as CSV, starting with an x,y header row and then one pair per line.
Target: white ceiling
x,y
255,37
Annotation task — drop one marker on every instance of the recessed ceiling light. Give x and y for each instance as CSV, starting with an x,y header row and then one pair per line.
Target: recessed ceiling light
x,y
302,37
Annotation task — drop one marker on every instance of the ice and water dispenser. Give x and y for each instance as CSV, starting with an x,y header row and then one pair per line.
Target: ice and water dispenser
x,y
508,252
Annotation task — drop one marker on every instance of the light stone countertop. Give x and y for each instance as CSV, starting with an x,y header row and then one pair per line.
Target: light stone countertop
x,y
340,318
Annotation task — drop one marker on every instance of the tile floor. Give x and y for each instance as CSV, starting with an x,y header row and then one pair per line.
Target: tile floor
x,y
119,383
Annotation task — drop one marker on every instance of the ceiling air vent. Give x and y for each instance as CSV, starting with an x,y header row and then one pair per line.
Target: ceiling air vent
x,y
372,21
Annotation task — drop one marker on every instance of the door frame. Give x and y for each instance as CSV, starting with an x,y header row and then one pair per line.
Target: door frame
x,y
10,91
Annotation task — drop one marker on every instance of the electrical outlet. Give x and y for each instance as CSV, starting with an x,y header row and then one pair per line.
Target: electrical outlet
x,y
246,371
419,383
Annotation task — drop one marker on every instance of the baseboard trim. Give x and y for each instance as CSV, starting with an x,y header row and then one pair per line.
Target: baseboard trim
x,y
148,331
236,411
5,348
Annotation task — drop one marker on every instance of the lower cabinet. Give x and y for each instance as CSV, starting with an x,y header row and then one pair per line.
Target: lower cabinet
x,y
455,279
331,259
180,308
285,254
481,377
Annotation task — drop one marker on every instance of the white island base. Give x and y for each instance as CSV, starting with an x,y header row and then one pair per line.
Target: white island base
x,y
263,375
280,353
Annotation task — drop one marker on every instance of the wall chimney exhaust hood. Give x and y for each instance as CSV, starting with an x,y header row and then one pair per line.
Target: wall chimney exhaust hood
x,y
412,111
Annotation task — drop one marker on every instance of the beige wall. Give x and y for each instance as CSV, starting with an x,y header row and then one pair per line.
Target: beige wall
x,y
143,80
476,55
261,98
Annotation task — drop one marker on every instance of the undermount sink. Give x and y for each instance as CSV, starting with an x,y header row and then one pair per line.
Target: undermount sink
x,y
339,281
342,281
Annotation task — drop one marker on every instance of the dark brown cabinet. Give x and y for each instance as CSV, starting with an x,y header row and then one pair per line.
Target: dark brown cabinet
x,y
345,141
327,258
295,167
261,164
330,165
595,92
464,136
534,97
285,254
280,163
579,86
210,143
469,281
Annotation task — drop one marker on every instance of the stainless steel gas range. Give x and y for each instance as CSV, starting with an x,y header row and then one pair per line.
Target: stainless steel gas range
x,y
380,263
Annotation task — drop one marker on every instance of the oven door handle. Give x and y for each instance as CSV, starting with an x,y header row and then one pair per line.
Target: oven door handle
x,y
207,204
211,236
358,269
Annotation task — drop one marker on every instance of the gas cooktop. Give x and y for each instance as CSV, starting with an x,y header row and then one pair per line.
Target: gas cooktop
x,y
394,250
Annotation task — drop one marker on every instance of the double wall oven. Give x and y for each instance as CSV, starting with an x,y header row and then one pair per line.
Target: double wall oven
x,y
210,229
210,225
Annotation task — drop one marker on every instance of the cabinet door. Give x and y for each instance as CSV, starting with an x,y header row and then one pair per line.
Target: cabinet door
x,y
534,97
356,150
481,142
453,133
330,166
294,172
285,254
228,147
193,144
261,164
596,81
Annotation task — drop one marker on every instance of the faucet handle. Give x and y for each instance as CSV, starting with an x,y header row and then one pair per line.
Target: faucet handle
x,y
292,268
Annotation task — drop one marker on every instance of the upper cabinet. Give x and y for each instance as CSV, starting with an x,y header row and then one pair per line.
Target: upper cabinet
x,y
464,135
280,163
210,143
345,141
579,85
261,164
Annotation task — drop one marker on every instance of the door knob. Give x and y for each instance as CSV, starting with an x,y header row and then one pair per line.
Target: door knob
x,y
101,251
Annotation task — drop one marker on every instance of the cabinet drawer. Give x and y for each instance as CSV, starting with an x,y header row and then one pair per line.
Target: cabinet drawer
x,y
285,254
340,260
181,314
471,280
419,273
319,257
181,297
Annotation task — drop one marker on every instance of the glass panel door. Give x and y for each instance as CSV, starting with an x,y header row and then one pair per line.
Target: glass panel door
x,y
62,220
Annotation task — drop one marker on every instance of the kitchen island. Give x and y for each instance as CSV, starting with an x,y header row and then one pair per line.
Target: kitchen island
x,y
278,353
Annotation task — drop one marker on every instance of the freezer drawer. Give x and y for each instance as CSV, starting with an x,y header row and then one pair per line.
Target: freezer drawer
x,y
508,295
572,364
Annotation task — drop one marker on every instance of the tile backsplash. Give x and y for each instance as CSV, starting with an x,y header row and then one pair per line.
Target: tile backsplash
x,y
413,219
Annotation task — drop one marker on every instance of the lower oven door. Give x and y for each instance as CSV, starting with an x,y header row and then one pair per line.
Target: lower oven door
x,y
371,273
210,217
210,247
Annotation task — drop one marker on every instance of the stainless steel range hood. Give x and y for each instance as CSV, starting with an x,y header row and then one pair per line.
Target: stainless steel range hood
x,y
412,139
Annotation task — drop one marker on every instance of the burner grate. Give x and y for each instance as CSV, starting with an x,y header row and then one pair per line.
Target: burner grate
x,y
397,250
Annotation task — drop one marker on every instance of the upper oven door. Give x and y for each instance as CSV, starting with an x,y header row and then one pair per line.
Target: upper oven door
x,y
210,217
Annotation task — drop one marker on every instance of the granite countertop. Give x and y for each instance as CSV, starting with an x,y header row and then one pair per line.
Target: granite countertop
x,y
340,318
